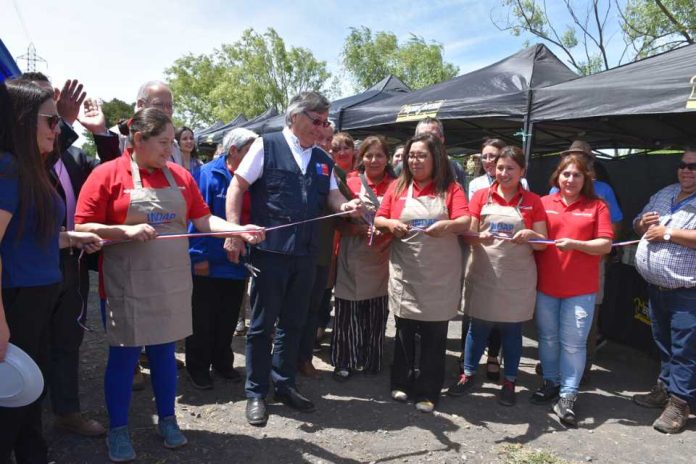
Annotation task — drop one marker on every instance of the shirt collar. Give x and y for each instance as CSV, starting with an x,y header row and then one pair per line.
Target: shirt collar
x,y
294,141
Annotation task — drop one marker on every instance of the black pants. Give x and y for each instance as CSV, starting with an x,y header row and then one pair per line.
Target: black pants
x,y
215,307
419,366
28,312
309,333
65,336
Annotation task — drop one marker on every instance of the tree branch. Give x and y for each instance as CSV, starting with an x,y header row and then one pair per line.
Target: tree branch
x,y
680,27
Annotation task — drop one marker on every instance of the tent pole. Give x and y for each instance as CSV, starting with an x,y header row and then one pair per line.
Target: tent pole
x,y
528,128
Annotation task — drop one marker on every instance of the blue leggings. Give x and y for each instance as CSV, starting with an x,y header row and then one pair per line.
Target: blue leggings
x,y
118,380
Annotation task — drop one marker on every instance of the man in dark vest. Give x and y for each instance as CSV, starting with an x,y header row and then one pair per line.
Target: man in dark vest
x,y
290,180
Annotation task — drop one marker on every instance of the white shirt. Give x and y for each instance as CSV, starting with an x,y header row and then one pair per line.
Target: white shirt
x,y
251,167
485,181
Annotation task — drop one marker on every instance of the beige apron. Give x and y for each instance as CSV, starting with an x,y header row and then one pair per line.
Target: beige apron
x,y
148,284
363,271
501,278
425,272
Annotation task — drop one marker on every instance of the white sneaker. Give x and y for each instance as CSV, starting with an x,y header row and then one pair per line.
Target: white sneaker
x,y
425,406
398,395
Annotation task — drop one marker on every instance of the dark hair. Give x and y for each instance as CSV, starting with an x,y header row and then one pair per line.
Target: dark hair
x,y
33,76
177,135
442,172
150,122
514,153
18,136
497,143
383,145
581,161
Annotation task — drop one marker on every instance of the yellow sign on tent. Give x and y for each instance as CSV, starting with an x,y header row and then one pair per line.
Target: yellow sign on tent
x,y
418,111
691,101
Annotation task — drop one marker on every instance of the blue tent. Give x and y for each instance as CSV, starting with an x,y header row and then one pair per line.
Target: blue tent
x,y
8,67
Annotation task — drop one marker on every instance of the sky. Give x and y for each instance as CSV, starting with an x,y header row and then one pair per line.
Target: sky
x,y
113,47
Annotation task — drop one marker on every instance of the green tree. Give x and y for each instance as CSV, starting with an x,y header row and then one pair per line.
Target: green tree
x,y
369,57
247,77
583,36
653,26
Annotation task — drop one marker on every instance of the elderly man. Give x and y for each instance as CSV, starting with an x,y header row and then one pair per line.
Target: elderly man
x,y
666,258
291,181
152,94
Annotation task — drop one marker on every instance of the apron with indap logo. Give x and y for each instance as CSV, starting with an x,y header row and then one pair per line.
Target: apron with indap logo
x,y
148,284
501,278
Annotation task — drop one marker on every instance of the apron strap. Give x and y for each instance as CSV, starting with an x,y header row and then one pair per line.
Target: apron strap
x,y
170,178
135,173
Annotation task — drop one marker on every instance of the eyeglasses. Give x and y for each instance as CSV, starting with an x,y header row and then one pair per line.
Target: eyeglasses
x,y
317,121
690,166
161,105
51,119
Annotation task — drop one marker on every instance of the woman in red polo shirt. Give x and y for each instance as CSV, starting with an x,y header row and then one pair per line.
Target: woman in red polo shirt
x,y
363,271
501,279
148,282
425,210
580,224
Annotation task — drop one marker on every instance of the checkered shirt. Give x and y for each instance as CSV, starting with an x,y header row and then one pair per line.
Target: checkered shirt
x,y
668,264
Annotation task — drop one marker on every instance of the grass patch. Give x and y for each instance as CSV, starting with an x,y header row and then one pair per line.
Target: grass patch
x,y
518,454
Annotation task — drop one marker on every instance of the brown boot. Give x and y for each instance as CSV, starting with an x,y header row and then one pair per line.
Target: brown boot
x,y
79,424
307,369
657,397
674,417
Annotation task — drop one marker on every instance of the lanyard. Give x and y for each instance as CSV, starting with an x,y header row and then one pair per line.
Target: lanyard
x,y
677,205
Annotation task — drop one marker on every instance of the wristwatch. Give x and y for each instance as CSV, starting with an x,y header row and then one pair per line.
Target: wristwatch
x,y
668,235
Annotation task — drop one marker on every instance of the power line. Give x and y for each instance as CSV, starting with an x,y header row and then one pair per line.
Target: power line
x,y
31,58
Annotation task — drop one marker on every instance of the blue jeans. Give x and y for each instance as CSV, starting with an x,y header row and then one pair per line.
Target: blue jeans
x,y
563,325
477,340
673,315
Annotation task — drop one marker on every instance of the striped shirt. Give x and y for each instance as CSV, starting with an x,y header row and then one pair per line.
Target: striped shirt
x,y
667,264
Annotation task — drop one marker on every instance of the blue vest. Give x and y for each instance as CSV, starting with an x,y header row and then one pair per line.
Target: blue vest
x,y
283,195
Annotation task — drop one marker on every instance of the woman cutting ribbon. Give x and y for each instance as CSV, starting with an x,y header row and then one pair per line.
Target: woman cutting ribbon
x,y
148,282
424,209
501,279
363,272
580,223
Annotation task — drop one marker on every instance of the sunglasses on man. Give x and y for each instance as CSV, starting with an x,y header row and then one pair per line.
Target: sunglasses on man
x,y
51,119
690,166
317,121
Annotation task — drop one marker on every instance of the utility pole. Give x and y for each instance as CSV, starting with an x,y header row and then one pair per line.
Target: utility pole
x,y
31,58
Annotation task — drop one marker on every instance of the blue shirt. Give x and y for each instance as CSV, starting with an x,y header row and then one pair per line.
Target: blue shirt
x,y
213,180
27,259
606,193
668,264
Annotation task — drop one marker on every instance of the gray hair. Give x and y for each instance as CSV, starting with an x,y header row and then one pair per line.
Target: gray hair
x,y
306,101
237,138
426,122
144,91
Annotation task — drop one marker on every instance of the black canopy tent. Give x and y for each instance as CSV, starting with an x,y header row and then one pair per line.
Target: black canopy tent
x,y
650,103
202,132
492,101
266,120
214,136
387,87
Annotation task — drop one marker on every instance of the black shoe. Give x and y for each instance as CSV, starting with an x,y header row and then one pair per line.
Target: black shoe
x,y
462,386
546,393
291,397
228,373
507,393
256,413
341,374
201,380
565,410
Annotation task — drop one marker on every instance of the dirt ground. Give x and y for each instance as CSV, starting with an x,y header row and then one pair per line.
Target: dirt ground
x,y
357,422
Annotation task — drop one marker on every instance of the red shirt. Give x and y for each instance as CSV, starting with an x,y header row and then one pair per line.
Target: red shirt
x,y
572,273
105,197
455,200
530,207
355,184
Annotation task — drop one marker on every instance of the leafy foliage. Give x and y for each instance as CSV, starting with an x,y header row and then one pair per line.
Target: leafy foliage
x,y
369,57
247,77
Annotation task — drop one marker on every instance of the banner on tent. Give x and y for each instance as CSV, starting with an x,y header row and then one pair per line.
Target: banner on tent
x,y
691,101
418,111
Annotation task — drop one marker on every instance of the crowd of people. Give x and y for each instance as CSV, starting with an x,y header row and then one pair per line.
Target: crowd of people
x,y
305,216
